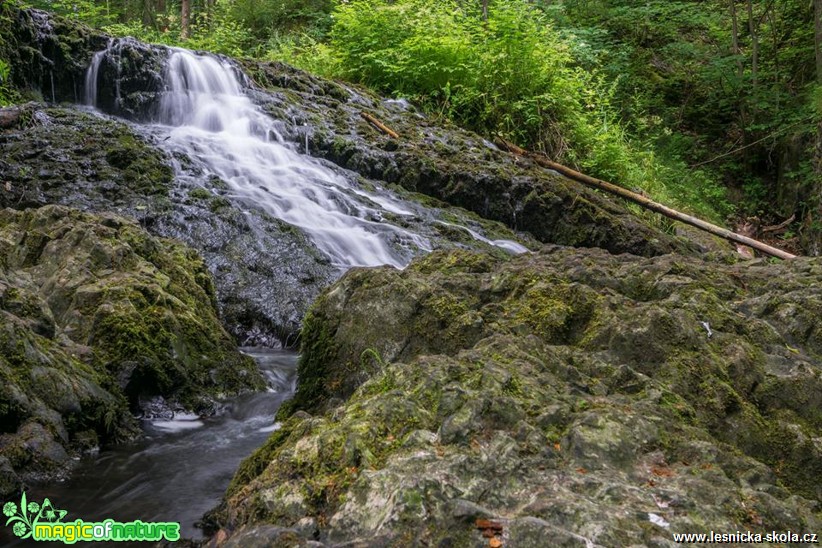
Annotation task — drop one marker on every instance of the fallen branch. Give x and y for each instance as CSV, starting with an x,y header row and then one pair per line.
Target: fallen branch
x,y
379,125
644,202
780,226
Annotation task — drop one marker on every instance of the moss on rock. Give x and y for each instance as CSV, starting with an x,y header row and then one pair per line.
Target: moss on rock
x,y
97,316
596,398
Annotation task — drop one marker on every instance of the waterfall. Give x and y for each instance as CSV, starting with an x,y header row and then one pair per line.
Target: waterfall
x,y
206,116
92,74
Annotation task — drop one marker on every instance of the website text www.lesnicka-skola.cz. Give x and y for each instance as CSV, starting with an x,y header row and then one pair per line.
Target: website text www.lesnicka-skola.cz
x,y
747,537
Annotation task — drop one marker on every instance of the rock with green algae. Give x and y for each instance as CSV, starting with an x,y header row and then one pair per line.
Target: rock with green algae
x,y
569,395
47,54
96,316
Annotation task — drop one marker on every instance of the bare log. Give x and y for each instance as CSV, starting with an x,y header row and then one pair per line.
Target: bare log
x,y
379,125
645,202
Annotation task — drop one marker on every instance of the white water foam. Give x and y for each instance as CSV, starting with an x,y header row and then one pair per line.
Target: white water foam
x,y
218,124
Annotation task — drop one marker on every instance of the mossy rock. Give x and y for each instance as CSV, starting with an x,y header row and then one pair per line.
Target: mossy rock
x,y
98,316
570,393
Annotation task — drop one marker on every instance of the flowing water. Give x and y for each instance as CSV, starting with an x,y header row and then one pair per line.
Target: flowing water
x,y
205,116
182,466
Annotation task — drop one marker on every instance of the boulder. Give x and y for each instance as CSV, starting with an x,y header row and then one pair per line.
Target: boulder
x,y
573,394
97,317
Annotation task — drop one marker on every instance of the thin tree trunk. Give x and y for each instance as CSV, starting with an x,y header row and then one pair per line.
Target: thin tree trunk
x,y
817,38
812,227
740,70
161,11
485,10
148,14
185,18
754,46
735,39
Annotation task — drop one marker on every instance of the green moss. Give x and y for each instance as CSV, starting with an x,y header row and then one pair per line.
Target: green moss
x,y
318,352
255,464
139,312
200,193
455,261
218,203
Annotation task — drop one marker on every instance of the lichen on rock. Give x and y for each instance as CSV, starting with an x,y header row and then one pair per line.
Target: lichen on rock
x,y
567,393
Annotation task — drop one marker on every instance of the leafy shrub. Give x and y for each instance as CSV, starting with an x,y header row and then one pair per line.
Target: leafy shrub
x,y
510,74
214,31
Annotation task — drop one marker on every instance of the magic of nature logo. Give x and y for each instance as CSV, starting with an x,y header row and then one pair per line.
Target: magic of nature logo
x,y
43,522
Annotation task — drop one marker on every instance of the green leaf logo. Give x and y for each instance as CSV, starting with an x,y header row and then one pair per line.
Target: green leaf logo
x,y
24,517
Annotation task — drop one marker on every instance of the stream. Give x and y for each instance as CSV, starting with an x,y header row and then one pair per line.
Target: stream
x,y
181,468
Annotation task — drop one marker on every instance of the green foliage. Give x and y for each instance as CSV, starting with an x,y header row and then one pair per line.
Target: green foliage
x,y
512,74
7,94
219,32
216,31
674,60
270,17
303,51
90,12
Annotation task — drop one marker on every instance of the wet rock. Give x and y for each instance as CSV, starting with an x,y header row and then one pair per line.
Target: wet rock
x,y
265,273
10,482
129,79
98,316
448,164
48,54
589,407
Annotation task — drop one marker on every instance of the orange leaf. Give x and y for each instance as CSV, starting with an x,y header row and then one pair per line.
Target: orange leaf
x,y
662,472
495,543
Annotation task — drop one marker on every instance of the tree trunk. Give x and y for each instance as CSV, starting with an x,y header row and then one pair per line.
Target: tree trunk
x,y
148,14
811,238
161,11
485,10
754,46
735,39
817,38
185,18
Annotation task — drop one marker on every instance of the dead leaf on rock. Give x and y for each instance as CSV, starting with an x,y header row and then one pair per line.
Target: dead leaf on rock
x,y
495,543
489,528
662,471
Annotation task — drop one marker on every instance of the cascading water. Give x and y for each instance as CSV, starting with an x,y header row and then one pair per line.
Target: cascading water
x,y
223,133
211,128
